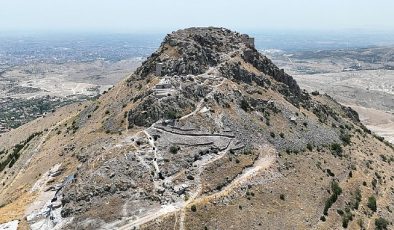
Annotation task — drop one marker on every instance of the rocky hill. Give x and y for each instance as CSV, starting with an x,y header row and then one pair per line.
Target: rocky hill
x,y
206,134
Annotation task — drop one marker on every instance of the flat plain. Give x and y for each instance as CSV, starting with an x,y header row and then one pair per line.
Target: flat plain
x,y
362,78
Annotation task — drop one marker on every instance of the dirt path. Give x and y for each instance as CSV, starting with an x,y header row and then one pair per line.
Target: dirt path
x,y
154,149
260,164
201,102
201,166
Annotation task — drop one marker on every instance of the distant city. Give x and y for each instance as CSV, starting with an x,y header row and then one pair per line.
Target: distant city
x,y
45,48
60,48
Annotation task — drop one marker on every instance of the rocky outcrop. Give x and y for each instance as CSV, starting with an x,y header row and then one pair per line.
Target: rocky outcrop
x,y
191,51
194,50
152,110
266,66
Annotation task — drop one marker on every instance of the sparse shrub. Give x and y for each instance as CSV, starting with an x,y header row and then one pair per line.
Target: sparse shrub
x,y
272,134
16,152
374,183
309,146
237,161
247,152
345,137
336,149
194,208
336,191
245,105
282,135
357,199
372,203
190,177
340,212
282,196
106,112
381,223
346,218
174,149
330,173
379,138
171,115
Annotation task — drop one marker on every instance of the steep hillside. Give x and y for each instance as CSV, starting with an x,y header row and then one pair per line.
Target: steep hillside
x,y
220,138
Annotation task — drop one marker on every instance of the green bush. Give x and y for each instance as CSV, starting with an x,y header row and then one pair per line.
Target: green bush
x,y
336,191
245,105
372,203
345,137
193,208
171,115
16,152
335,188
347,216
174,149
357,199
336,149
381,224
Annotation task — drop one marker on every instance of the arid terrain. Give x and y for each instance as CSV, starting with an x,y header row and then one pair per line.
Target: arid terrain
x,y
40,73
361,78
207,133
31,91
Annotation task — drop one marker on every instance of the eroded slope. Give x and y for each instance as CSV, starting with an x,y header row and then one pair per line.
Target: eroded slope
x,y
221,139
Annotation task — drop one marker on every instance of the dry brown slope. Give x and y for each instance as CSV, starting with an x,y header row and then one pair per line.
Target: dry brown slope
x,y
278,145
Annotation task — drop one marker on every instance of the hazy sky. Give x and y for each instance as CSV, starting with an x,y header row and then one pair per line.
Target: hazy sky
x,y
168,15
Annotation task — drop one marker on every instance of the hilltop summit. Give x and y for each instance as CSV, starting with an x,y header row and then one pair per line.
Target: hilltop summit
x,y
195,50
207,133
